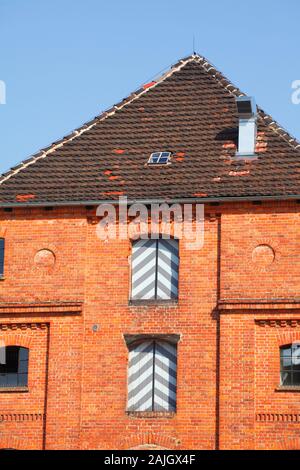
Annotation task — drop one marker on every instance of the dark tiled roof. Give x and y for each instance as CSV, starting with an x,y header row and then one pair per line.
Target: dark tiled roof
x,y
191,112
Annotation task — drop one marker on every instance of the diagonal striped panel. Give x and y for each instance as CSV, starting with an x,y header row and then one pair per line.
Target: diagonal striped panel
x,y
140,377
167,269
165,371
143,269
152,376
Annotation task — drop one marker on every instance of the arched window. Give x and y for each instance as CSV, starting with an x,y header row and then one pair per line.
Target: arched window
x,y
155,266
152,376
13,367
2,257
290,364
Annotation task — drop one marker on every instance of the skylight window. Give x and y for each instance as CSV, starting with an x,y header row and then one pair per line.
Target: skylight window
x,y
159,158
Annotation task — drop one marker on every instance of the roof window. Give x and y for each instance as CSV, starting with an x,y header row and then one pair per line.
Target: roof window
x,y
159,158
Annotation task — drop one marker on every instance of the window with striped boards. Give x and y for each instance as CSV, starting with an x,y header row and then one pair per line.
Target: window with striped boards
x,y
155,265
152,376
1,257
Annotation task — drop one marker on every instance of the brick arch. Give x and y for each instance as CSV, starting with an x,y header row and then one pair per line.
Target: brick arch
x,y
10,442
144,441
149,447
15,339
147,233
287,337
2,232
290,444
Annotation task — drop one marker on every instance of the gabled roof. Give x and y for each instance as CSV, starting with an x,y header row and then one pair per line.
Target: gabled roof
x,y
189,111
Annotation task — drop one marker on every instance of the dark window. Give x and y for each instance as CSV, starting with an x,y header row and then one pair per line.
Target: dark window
x,y
152,376
155,266
13,367
290,364
1,257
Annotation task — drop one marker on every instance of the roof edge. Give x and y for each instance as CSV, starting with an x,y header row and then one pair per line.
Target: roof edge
x,y
43,153
235,91
206,65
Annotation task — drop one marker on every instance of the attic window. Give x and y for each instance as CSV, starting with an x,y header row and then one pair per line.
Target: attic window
x,y
159,158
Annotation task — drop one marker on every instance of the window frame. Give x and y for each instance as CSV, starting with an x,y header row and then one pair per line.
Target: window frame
x,y
22,370
291,371
159,158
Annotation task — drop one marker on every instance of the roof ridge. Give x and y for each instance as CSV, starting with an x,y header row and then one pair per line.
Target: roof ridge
x,y
227,84
158,79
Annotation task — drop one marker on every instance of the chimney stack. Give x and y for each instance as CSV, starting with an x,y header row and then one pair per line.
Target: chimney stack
x,y
247,113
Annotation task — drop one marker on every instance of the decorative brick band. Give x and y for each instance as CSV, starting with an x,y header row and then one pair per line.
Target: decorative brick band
x,y
247,304
23,326
279,323
22,417
47,308
277,417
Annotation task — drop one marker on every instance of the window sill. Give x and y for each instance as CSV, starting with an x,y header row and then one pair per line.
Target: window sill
x,y
14,389
151,414
2,278
155,302
288,388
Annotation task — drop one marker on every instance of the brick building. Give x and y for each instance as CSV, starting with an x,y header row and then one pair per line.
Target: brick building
x,y
123,344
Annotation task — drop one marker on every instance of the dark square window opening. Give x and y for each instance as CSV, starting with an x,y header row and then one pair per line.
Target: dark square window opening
x,y
290,365
14,367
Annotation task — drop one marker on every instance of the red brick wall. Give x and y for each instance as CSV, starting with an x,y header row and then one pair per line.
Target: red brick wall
x,y
22,415
228,362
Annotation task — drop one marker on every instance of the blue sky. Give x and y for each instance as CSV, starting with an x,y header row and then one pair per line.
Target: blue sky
x,y
64,61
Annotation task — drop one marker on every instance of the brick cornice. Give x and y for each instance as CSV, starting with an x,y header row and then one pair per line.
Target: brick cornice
x,y
22,417
257,304
45,308
271,417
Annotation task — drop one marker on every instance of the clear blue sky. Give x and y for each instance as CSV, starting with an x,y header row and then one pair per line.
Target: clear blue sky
x,y
64,61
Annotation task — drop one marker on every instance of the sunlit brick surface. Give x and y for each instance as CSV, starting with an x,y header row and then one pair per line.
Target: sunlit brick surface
x,y
232,316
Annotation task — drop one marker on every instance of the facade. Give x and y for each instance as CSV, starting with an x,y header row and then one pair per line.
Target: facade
x,y
126,344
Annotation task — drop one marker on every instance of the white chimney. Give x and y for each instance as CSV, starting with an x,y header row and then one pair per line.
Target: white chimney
x,y
247,114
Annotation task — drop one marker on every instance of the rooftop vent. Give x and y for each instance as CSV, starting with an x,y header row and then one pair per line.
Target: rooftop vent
x,y
247,114
159,158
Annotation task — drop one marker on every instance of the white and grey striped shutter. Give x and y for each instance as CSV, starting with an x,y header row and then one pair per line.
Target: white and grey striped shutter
x,y
152,376
165,372
167,269
143,269
140,377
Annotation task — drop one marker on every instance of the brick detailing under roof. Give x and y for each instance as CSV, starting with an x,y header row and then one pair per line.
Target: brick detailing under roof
x,y
189,111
